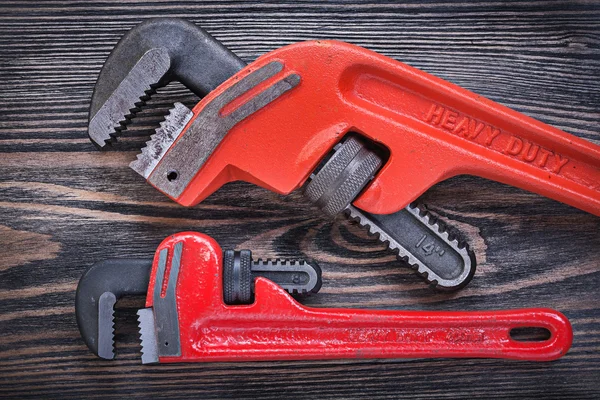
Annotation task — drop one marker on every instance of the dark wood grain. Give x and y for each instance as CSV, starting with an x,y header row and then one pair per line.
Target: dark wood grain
x,y
63,205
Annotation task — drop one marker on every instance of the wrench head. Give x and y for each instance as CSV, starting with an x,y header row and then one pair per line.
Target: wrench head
x,y
187,138
100,287
149,56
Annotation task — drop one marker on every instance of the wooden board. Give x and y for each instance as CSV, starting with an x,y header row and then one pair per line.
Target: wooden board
x,y
64,205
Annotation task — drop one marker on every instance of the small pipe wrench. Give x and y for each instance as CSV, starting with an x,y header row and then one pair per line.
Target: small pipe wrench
x,y
187,320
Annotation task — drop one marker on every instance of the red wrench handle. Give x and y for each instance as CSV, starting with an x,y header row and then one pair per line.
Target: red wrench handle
x,y
469,134
276,327
433,130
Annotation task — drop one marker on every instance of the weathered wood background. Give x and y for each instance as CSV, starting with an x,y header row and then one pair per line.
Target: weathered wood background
x,y
64,205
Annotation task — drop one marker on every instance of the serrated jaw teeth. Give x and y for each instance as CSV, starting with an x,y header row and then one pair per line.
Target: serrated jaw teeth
x,y
163,138
148,336
129,96
106,325
424,244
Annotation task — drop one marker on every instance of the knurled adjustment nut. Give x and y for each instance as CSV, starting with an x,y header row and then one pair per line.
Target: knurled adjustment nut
x,y
237,277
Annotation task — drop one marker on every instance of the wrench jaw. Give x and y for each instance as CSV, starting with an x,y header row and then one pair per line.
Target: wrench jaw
x,y
159,324
100,287
175,278
136,88
148,337
175,174
170,129
107,281
149,56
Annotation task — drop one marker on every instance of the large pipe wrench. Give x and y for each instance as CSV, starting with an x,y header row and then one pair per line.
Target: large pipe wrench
x,y
186,318
332,116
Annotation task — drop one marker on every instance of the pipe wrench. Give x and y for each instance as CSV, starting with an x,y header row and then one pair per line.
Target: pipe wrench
x,y
186,318
366,135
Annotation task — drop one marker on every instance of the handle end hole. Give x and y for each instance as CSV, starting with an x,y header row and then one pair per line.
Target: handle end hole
x,y
530,334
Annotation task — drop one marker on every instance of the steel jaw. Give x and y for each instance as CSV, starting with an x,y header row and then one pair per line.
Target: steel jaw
x,y
206,131
160,336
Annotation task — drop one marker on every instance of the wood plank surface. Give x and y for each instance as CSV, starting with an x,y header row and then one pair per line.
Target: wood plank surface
x,y
64,205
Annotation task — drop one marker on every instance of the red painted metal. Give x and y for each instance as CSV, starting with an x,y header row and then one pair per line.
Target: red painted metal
x,y
276,327
433,130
